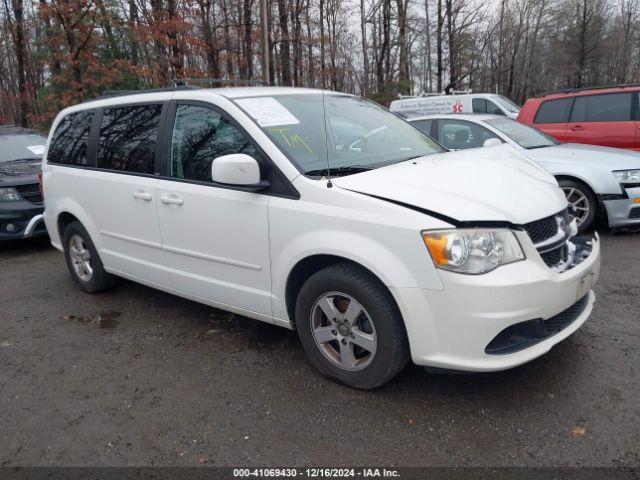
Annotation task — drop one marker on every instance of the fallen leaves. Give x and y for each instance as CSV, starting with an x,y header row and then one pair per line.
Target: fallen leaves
x,y
578,431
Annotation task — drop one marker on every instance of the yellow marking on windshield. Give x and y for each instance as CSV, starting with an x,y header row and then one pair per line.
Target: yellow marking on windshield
x,y
291,139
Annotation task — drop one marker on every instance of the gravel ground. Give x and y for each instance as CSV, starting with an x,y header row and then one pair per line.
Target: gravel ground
x,y
139,377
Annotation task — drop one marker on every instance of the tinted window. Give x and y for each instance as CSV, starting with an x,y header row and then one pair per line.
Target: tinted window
x,y
70,140
554,111
423,125
128,138
200,135
479,105
459,135
493,108
614,107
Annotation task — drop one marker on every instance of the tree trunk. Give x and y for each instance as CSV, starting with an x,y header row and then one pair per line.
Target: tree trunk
x,y
428,82
401,6
365,55
453,72
21,58
323,74
248,49
285,51
440,68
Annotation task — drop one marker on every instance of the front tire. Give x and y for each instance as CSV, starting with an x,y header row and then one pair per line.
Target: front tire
x,y
83,261
585,203
350,327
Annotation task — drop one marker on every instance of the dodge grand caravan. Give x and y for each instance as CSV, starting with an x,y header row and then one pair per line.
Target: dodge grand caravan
x,y
325,213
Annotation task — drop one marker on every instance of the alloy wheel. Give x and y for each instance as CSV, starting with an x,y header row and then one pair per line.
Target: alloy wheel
x,y
80,258
343,331
579,201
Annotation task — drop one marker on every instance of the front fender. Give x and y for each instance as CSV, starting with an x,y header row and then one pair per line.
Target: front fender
x,y
599,180
383,260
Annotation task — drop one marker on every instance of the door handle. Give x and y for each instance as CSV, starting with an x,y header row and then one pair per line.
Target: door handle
x,y
577,128
171,200
141,195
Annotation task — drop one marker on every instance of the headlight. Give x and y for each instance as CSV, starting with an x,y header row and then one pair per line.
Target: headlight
x,y
472,251
9,195
627,176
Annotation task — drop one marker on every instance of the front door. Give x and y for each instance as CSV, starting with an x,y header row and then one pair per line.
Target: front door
x,y
122,190
215,238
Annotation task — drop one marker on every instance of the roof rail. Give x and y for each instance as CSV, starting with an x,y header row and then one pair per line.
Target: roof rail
x,y
599,87
176,82
435,94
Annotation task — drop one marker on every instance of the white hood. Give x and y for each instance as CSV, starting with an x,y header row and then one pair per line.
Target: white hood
x,y
489,184
611,158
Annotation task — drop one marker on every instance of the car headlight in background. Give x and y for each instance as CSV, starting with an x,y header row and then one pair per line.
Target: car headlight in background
x,y
627,176
9,194
472,251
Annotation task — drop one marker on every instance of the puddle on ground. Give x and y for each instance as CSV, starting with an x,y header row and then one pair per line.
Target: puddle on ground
x,y
106,320
233,333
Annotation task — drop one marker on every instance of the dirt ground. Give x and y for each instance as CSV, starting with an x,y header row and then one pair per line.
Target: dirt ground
x,y
139,377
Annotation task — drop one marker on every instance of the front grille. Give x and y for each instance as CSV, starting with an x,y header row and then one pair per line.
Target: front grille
x,y
554,257
551,236
526,334
31,193
542,230
634,213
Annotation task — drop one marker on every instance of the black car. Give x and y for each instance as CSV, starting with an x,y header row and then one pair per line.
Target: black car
x,y
21,203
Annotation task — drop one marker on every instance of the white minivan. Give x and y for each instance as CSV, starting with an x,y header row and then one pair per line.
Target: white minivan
x,y
325,213
466,103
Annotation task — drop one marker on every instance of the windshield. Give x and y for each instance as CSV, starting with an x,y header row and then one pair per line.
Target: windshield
x,y
352,133
23,146
507,104
525,136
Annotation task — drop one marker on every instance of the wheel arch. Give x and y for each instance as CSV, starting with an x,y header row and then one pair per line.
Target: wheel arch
x,y
67,211
574,178
601,211
311,264
64,219
586,184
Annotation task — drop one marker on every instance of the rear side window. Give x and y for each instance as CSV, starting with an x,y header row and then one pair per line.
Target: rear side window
x,y
70,140
554,111
610,107
128,138
200,135
493,108
424,126
482,105
479,105
460,135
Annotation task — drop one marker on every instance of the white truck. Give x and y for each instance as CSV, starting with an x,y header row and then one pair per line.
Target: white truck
x,y
465,103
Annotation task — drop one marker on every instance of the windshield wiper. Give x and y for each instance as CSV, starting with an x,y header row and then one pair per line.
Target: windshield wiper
x,y
337,171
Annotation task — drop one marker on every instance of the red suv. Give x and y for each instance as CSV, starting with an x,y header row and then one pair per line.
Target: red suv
x,y
607,116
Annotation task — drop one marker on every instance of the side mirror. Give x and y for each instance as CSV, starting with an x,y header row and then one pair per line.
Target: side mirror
x,y
491,142
237,169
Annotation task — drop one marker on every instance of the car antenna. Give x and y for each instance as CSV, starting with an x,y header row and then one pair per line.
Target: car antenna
x,y
326,141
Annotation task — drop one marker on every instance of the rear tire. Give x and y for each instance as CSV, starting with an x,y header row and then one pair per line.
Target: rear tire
x,y
350,327
583,199
83,260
